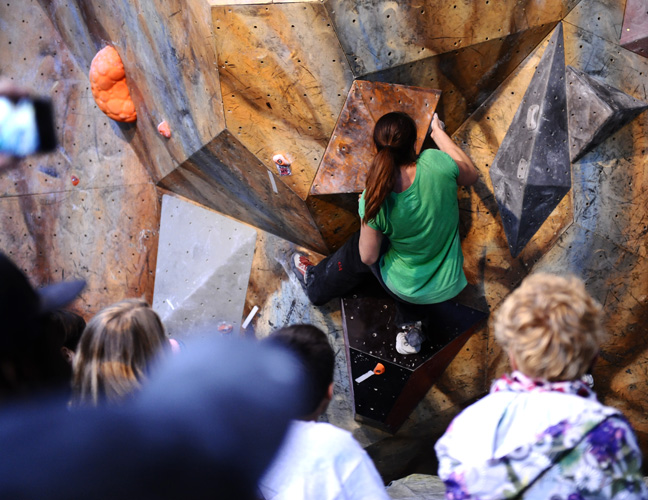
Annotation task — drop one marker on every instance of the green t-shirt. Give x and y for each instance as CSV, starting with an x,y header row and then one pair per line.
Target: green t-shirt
x,y
424,263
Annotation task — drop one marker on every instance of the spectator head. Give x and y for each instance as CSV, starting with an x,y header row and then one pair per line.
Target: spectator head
x,y
551,327
66,328
30,360
312,348
115,352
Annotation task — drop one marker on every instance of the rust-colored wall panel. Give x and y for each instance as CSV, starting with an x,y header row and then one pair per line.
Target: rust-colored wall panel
x,y
380,34
419,103
169,69
284,79
107,236
351,149
467,76
228,178
336,216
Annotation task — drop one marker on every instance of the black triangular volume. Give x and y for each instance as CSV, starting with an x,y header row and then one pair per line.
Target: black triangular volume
x,y
530,173
596,111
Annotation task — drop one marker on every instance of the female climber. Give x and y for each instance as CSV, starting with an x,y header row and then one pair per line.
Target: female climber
x,y
409,236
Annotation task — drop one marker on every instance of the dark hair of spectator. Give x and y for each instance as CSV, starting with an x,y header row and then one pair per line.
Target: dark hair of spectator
x,y
312,347
66,326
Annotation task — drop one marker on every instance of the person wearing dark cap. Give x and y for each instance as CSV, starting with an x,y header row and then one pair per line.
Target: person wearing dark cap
x,y
318,461
30,360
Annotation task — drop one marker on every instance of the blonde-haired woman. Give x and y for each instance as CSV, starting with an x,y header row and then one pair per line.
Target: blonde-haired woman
x,y
115,352
541,432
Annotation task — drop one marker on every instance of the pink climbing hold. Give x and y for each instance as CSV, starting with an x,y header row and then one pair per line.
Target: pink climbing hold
x,y
164,129
283,164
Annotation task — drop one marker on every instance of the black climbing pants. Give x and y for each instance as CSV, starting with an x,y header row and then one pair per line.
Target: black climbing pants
x,y
343,270
337,274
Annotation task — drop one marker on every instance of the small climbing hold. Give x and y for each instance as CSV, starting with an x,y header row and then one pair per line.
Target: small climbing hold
x,y
108,85
283,164
224,327
75,180
164,129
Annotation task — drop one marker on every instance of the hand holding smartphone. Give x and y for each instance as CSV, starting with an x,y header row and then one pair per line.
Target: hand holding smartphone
x,y
26,126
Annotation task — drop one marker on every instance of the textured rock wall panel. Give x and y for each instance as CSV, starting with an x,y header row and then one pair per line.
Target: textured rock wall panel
x,y
104,229
336,216
380,34
284,79
605,241
602,18
91,146
169,67
107,236
469,75
226,177
351,149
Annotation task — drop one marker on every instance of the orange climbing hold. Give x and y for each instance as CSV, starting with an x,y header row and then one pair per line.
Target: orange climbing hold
x,y
108,83
164,129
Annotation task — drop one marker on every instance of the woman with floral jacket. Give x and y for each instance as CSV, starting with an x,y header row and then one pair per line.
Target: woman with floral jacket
x,y
541,433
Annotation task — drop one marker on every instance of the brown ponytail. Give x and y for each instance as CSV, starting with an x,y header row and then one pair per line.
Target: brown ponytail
x,y
395,139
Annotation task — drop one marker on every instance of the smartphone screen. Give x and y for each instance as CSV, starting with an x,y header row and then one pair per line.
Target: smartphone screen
x,y
26,127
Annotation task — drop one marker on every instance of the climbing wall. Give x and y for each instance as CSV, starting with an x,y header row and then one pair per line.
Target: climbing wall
x,y
634,34
88,210
530,173
351,147
240,82
596,231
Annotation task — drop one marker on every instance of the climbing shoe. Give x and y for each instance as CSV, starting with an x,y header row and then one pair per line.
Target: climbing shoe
x,y
300,264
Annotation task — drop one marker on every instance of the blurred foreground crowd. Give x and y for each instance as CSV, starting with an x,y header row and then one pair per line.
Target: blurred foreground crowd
x,y
115,408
